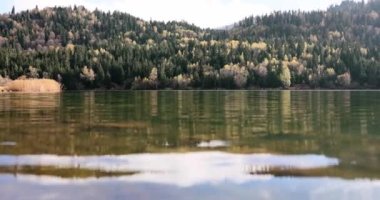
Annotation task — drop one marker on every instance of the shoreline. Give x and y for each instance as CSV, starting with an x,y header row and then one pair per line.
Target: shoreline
x,y
220,89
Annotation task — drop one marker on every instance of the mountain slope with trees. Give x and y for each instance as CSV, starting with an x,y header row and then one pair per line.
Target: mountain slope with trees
x,y
336,48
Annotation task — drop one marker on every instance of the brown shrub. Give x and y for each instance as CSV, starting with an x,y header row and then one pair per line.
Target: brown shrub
x,y
34,86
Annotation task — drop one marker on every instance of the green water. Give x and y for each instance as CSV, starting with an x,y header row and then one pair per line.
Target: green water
x,y
190,145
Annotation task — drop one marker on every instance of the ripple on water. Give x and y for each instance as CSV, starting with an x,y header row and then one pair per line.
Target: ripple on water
x,y
8,143
213,144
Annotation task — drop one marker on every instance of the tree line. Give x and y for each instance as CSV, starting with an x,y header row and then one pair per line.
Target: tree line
x,y
336,48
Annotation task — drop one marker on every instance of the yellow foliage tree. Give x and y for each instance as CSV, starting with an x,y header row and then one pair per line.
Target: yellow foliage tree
x,y
285,76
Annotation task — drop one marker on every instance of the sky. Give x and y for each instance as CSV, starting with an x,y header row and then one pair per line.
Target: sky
x,y
203,13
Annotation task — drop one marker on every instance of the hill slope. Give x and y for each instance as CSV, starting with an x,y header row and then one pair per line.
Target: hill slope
x,y
333,48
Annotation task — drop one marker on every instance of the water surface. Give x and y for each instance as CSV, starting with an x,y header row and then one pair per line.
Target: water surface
x,y
190,145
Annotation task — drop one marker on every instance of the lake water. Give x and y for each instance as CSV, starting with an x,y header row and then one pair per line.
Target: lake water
x,y
190,145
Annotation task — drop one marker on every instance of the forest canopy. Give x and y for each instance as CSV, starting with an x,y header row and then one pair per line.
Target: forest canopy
x,y
335,48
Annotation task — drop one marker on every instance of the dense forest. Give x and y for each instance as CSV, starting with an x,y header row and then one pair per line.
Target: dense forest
x,y
335,48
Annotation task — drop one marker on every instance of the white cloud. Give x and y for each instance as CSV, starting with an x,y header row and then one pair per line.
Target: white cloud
x,y
204,13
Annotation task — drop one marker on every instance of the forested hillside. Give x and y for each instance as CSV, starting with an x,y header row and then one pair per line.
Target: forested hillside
x,y
336,48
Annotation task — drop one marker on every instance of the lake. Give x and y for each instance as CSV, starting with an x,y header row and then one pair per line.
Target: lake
x,y
190,145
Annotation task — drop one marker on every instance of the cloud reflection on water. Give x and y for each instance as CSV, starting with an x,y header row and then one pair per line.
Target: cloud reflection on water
x,y
179,169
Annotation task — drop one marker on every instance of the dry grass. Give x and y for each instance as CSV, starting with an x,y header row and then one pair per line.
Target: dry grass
x,y
33,86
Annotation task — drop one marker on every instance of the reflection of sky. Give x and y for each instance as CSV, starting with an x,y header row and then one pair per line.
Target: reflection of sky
x,y
25,187
179,169
201,175
213,144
